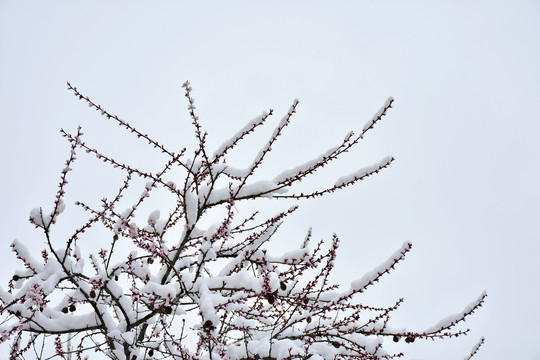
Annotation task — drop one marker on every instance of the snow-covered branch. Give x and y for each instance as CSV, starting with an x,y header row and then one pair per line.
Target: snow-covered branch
x,y
169,285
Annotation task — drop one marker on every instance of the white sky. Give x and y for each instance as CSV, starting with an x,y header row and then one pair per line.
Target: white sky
x,y
464,130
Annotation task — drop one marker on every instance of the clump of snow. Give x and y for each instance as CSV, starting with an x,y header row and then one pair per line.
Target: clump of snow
x,y
363,171
39,218
240,133
370,276
261,189
378,114
289,173
153,217
451,320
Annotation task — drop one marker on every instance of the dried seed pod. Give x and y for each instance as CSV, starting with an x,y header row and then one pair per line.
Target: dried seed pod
x,y
409,339
208,325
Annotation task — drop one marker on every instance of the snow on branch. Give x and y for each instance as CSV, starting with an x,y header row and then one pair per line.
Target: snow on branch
x,y
289,176
188,283
475,349
451,321
345,181
378,115
241,134
374,275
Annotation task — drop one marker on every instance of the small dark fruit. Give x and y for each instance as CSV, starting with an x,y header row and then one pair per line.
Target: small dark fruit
x,y
283,286
151,352
115,237
308,320
150,260
306,301
92,294
336,344
17,313
409,339
207,325
271,298
116,278
167,310
16,277
65,310
72,308
395,338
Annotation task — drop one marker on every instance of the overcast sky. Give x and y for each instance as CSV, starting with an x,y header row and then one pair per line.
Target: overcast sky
x,y
464,131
